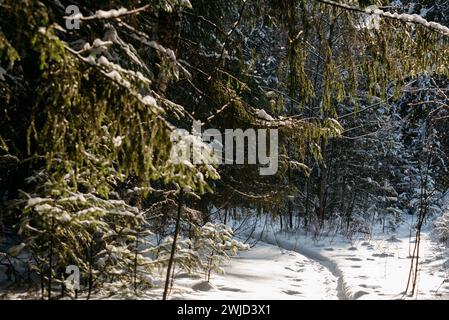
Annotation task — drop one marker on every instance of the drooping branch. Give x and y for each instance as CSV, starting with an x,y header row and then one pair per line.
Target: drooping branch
x,y
403,17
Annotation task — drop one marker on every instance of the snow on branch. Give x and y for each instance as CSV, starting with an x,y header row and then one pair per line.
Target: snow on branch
x,y
404,17
110,14
117,78
262,114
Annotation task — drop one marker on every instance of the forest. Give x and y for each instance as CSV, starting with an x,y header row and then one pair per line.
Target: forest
x,y
239,149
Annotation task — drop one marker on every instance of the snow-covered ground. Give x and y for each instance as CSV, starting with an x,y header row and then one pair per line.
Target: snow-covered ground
x,y
262,273
293,265
376,267
286,265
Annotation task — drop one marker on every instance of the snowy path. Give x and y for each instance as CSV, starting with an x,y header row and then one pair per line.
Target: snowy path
x,y
314,256
294,266
376,267
264,272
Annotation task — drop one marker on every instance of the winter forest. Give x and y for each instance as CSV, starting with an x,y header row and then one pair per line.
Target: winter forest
x,y
224,150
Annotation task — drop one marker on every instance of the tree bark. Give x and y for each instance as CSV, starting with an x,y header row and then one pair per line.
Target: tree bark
x,y
50,259
173,248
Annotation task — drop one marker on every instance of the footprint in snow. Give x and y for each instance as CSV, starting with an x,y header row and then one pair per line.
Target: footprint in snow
x,y
382,255
359,294
291,269
354,259
230,289
366,286
203,286
291,292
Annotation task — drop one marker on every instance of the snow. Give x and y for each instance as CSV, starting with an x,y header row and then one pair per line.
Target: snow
x,y
76,16
91,210
98,43
373,267
370,22
412,18
65,217
186,4
294,265
103,61
75,197
91,60
262,114
409,18
101,14
262,273
117,69
117,141
115,75
35,201
149,101
43,207
441,230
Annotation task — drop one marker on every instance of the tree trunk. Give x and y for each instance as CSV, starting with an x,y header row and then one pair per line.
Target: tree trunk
x,y
423,207
322,186
50,259
280,221
307,213
290,214
136,246
173,248
225,215
91,281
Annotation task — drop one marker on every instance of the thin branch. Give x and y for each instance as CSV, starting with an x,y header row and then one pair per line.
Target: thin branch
x,y
215,26
119,14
